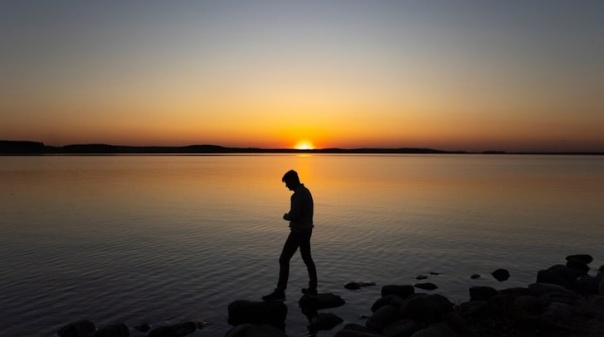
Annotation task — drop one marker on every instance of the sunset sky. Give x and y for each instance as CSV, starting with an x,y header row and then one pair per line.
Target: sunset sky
x,y
451,75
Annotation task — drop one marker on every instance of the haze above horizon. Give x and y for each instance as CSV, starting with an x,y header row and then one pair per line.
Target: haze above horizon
x,y
455,76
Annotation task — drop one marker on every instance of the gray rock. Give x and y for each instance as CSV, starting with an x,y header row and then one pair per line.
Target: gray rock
x,y
482,293
501,275
475,276
82,328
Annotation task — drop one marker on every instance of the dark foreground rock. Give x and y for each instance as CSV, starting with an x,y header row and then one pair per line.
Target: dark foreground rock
x,y
571,305
565,301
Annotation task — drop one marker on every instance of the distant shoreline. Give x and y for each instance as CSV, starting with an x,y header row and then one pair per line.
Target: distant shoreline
x,y
8,147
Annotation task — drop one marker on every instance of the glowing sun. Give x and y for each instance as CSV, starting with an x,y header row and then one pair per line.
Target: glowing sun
x,y
304,145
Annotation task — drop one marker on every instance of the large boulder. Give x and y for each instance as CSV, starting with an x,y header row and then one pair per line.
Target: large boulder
x,y
271,313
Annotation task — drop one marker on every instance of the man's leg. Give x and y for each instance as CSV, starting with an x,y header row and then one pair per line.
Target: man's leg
x,y
289,249
310,264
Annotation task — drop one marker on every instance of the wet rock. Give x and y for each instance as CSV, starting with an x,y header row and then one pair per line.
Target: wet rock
x,y
456,322
358,285
501,275
475,276
81,328
579,267
482,293
352,286
324,321
392,300
421,277
321,301
601,287
516,291
585,258
526,304
400,328
355,330
434,273
402,291
383,317
557,313
115,330
587,285
251,330
174,330
423,308
271,313
558,274
143,327
426,286
436,330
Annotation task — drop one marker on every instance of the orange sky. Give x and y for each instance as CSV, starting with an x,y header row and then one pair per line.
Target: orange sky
x,y
516,76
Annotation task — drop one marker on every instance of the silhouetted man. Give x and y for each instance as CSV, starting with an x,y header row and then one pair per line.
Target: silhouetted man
x,y
301,224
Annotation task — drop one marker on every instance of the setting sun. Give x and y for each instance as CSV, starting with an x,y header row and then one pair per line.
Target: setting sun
x,y
304,145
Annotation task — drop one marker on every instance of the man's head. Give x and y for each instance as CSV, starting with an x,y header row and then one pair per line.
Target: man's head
x,y
291,179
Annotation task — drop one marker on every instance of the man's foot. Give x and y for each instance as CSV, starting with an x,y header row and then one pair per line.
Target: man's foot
x,y
309,291
275,296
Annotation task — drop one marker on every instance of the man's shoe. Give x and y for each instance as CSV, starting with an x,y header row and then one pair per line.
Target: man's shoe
x,y
309,291
275,296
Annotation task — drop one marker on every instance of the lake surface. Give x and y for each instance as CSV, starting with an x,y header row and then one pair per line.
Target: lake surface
x,y
164,239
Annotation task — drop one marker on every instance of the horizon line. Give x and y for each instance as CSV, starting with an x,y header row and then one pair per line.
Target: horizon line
x,y
39,148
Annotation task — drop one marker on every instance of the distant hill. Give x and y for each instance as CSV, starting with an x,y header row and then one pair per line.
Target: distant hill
x,y
8,147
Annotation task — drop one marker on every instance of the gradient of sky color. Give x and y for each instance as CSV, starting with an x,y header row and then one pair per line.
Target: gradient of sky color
x,y
451,75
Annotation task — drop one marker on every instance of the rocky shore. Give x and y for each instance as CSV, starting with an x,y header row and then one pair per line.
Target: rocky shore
x,y
566,300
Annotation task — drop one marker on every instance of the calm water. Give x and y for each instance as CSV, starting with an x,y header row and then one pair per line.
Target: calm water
x,y
163,239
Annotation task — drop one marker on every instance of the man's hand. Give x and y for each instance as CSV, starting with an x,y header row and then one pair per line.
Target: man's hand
x,y
286,216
